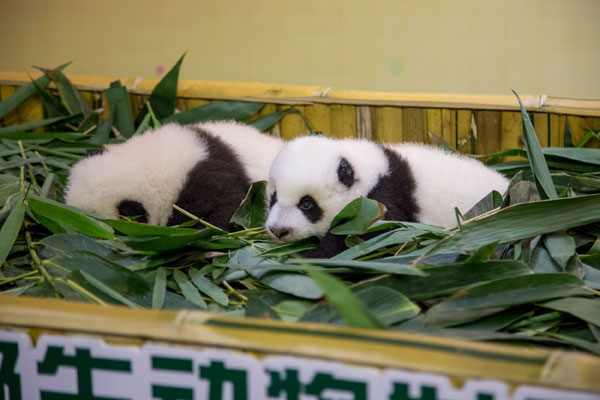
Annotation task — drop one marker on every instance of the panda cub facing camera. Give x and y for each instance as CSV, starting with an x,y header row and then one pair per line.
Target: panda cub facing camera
x,y
205,169
314,177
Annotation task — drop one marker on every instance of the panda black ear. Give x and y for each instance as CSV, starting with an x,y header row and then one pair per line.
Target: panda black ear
x,y
345,173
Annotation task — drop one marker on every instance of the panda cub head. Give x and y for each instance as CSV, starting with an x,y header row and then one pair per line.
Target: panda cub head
x,y
313,178
141,177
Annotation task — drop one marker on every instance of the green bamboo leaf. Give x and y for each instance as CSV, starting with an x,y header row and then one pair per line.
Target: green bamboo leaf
x,y
256,307
522,221
162,99
489,298
252,213
590,156
107,290
536,159
70,96
25,93
10,229
131,228
357,216
209,288
188,289
266,122
221,110
157,244
52,105
586,309
11,130
376,265
296,284
446,279
561,247
354,312
160,287
69,218
120,108
385,239
491,201
24,136
387,305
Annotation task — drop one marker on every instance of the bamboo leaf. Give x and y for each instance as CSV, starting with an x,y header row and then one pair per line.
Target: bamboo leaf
x,y
296,284
162,98
522,221
210,289
586,309
221,110
357,216
160,287
561,247
536,159
131,228
28,126
10,229
120,108
25,93
489,298
252,213
69,218
70,96
376,265
352,310
188,289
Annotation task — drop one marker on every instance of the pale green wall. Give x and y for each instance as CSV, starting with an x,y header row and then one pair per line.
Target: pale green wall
x,y
439,46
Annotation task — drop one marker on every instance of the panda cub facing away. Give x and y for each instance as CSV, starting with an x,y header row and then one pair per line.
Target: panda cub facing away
x,y
205,169
314,177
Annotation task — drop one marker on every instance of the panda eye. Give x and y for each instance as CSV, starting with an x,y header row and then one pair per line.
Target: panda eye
x,y
273,199
306,205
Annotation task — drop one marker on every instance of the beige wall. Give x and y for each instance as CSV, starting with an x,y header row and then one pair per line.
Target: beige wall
x,y
441,46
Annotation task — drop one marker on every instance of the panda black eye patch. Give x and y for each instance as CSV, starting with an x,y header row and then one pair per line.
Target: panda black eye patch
x,y
273,199
345,173
309,207
131,208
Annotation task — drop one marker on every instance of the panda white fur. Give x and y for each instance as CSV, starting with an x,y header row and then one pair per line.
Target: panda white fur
x,y
205,169
314,177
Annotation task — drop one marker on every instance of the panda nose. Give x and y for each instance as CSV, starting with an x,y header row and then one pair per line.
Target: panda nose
x,y
279,232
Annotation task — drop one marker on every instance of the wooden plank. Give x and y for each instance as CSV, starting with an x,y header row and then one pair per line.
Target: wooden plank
x,y
319,118
512,133
31,110
343,121
12,118
414,125
449,127
387,124
292,125
489,132
364,123
463,131
556,138
540,124
434,122
594,125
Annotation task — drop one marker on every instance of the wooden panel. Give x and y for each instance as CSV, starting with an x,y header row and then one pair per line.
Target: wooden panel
x,y
292,125
364,122
31,110
387,124
556,132
489,132
463,131
434,122
12,118
540,124
413,125
512,133
318,116
594,125
449,127
343,120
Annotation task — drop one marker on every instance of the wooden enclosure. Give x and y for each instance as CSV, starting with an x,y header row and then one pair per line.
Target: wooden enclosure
x,y
475,124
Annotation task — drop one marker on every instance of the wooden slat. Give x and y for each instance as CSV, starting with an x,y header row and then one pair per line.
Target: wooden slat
x,y
12,118
489,132
556,132
512,133
292,125
434,122
413,125
387,124
319,118
540,124
364,122
463,131
449,127
343,120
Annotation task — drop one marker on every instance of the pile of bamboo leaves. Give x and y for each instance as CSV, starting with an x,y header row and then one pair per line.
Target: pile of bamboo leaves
x,y
523,267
